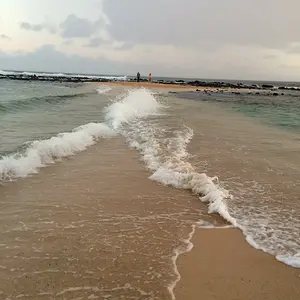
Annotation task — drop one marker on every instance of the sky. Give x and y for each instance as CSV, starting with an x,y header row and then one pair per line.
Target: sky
x,y
232,39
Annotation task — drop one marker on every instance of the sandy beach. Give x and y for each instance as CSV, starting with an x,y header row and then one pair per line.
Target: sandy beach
x,y
147,85
222,265
166,87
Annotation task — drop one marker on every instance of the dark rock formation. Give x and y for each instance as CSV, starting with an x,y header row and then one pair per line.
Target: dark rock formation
x,y
219,85
267,86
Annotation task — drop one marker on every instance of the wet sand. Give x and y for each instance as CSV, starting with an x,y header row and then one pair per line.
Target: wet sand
x,y
222,265
92,227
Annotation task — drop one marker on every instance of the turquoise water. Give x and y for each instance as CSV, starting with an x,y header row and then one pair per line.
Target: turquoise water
x,y
282,115
282,111
36,110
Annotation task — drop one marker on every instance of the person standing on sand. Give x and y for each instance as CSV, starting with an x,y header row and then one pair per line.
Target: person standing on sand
x,y
150,77
138,77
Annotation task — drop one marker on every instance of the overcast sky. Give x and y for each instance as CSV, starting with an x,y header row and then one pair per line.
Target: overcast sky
x,y
190,38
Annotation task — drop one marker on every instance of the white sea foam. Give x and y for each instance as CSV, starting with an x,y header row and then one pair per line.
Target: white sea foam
x,y
293,261
104,89
187,246
167,158
207,225
40,153
134,105
169,165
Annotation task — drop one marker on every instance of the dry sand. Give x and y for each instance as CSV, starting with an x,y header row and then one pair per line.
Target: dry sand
x,y
179,87
148,85
222,265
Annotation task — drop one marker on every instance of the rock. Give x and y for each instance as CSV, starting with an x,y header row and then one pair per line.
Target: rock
x,y
275,94
267,86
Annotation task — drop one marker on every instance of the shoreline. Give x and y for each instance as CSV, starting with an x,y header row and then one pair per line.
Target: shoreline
x,y
222,265
185,82
206,90
149,85
174,88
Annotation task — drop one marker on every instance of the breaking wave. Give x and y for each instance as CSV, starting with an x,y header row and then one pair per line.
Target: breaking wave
x,y
136,116
15,105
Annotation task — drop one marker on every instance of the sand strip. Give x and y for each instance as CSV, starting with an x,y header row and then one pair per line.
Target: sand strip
x,y
147,85
222,265
180,87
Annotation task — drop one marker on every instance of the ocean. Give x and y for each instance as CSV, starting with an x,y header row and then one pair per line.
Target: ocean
x,y
102,187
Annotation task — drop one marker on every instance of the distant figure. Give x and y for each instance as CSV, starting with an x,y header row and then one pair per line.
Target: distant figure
x,y
138,77
150,77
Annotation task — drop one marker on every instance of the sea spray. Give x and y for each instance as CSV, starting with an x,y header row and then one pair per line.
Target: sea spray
x,y
169,166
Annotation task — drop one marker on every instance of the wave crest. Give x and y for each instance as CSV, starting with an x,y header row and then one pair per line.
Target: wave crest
x,y
40,153
16,105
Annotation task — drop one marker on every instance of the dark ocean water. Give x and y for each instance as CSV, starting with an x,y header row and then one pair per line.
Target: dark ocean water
x,y
36,110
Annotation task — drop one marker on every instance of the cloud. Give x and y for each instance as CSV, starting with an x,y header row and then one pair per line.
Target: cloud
x,y
47,58
125,46
68,42
75,27
95,42
37,27
270,56
198,23
33,27
294,48
194,38
4,37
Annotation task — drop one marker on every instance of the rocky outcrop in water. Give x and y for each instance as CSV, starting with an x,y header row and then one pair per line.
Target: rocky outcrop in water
x,y
50,78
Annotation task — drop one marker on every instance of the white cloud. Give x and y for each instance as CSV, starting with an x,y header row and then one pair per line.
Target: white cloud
x,y
37,27
194,38
196,22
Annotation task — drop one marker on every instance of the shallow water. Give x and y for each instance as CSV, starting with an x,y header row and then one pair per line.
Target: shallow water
x,y
282,111
122,193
